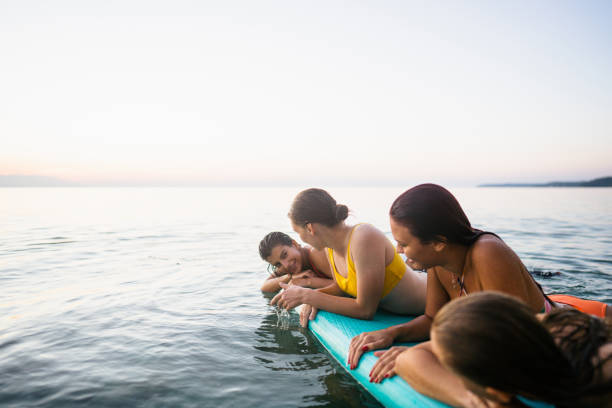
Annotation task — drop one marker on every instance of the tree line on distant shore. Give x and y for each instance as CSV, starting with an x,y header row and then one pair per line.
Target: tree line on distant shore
x,y
598,182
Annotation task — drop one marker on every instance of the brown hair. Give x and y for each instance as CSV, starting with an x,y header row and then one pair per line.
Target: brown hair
x,y
271,240
496,341
316,205
430,211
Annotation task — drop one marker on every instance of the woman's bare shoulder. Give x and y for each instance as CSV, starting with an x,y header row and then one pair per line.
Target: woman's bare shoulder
x,y
366,233
368,240
490,248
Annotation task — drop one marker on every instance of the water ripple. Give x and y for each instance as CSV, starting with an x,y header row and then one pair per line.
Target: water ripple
x,y
149,303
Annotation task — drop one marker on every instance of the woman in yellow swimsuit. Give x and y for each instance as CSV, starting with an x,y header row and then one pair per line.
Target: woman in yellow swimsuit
x,y
365,265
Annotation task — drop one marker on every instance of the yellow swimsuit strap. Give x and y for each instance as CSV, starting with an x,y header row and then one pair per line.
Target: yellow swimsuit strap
x,y
349,283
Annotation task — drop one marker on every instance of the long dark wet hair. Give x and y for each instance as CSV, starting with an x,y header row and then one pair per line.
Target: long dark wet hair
x,y
496,341
431,212
316,205
272,240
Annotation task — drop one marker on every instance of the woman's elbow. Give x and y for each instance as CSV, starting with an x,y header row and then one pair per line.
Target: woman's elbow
x,y
268,288
366,314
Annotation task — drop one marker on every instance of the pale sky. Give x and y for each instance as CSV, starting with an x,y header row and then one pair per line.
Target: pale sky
x,y
306,92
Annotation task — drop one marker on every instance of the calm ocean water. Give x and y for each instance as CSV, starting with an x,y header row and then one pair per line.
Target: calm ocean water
x,y
149,297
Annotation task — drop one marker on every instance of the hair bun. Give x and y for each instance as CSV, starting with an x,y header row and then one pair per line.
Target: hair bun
x,y
341,212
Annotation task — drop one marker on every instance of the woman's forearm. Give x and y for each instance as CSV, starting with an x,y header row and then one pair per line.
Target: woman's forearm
x,y
318,283
331,289
415,330
345,306
271,285
420,368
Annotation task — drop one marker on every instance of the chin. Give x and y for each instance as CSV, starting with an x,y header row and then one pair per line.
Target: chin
x,y
418,265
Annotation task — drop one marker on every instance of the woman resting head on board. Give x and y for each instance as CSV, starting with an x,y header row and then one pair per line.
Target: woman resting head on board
x,y
501,350
363,261
431,228
289,262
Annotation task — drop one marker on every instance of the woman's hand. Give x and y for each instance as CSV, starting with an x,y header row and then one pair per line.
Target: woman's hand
x,y
385,366
307,313
290,297
303,278
368,341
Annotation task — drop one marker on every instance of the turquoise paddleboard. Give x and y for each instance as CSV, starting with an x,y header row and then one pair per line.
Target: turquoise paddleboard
x,y
335,333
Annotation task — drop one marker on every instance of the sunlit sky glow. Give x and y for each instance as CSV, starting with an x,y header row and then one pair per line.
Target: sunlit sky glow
x,y
292,93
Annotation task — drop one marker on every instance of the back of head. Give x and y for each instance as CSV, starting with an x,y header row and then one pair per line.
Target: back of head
x,y
316,205
430,211
580,336
270,241
496,341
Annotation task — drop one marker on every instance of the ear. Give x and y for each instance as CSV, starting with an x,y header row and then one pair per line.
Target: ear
x,y
499,396
294,243
310,228
440,243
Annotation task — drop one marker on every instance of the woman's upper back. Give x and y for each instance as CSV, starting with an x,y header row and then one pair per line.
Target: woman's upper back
x,y
362,241
367,252
490,264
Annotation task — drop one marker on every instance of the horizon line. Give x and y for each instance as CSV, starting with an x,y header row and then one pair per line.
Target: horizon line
x,y
21,180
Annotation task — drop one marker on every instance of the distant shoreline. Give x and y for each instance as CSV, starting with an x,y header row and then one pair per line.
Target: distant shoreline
x,y
599,182
45,181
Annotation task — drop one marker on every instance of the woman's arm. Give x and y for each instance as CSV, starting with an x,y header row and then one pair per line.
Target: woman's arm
x,y
309,313
309,279
420,368
272,283
368,251
294,296
415,330
305,279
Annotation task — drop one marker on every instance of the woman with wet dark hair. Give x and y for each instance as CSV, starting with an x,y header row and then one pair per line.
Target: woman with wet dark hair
x,y
431,228
501,351
289,262
367,270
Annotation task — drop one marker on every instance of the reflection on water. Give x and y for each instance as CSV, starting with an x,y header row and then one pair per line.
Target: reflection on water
x,y
293,351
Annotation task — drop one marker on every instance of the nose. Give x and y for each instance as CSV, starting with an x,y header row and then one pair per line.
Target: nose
x,y
400,249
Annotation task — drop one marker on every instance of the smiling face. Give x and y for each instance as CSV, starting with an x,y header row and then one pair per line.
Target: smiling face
x,y
286,259
417,252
